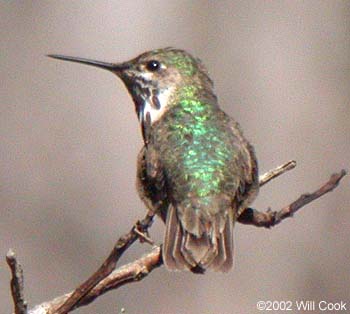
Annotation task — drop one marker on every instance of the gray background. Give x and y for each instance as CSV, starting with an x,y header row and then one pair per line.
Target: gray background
x,y
69,140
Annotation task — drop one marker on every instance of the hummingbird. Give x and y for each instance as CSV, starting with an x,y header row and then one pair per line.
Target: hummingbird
x,y
195,170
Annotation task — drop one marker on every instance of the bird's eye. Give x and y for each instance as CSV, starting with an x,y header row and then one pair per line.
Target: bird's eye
x,y
153,65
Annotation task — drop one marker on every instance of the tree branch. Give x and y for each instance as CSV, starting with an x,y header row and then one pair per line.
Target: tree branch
x,y
274,173
107,277
108,265
132,272
270,218
17,283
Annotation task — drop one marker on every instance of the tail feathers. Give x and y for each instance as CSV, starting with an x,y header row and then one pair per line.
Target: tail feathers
x,y
224,261
184,250
172,257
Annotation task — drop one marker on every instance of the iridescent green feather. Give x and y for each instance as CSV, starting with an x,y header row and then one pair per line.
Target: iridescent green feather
x,y
197,150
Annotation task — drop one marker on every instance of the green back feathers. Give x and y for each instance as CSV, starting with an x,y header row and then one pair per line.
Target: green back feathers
x,y
196,148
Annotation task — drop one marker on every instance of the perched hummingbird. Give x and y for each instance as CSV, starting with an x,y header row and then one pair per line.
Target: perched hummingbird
x,y
195,170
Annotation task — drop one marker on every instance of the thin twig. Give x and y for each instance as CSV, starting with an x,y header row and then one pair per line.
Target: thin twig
x,y
144,237
274,173
17,284
270,218
108,265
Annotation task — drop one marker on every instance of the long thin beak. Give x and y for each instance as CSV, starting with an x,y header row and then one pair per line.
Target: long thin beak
x,y
114,67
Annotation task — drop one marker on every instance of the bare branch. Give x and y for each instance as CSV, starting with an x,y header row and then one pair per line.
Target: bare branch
x,y
274,173
108,265
17,283
271,218
132,272
107,277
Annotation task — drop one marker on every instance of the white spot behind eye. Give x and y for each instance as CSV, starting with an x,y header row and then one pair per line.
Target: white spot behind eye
x,y
147,75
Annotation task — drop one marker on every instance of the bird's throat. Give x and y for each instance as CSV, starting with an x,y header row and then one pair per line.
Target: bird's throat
x,y
150,105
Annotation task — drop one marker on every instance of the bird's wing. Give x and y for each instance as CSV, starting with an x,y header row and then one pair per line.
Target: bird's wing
x,y
246,160
151,183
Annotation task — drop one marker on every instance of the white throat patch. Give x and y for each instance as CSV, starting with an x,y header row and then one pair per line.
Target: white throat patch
x,y
151,108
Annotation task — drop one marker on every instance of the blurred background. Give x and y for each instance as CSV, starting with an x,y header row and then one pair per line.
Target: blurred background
x,y
70,137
